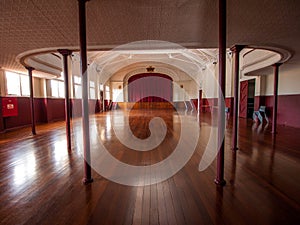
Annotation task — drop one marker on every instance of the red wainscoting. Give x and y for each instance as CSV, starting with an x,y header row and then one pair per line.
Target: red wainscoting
x,y
259,101
209,103
23,118
195,103
40,110
288,109
1,120
76,108
229,103
55,109
94,106
46,110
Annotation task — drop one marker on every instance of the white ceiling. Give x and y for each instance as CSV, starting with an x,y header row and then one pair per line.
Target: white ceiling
x,y
52,24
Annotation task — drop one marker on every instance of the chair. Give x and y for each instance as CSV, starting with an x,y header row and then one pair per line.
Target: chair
x,y
227,112
261,114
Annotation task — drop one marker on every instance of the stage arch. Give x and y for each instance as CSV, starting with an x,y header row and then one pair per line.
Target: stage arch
x,y
150,87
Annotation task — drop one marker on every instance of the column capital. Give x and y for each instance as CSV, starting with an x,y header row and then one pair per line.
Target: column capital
x,y
277,64
237,48
29,68
64,51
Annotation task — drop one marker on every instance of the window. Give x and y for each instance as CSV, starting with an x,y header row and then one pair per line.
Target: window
x,y
25,90
13,83
57,89
77,87
118,94
17,84
107,92
92,90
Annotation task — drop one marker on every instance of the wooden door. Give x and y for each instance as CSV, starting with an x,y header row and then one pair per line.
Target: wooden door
x,y
243,98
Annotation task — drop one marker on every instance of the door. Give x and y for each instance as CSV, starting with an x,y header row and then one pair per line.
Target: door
x,y
243,98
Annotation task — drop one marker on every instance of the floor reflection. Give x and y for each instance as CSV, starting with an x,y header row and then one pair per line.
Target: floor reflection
x,y
60,152
25,170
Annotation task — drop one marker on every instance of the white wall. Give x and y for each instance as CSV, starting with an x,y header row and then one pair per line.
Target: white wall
x,y
117,90
2,83
187,92
288,82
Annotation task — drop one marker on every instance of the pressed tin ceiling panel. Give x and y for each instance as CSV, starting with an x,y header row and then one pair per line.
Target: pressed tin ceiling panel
x,y
35,24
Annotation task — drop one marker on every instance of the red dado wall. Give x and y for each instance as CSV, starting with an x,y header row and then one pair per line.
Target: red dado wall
x,y
23,117
55,109
288,107
1,118
214,102
288,112
46,110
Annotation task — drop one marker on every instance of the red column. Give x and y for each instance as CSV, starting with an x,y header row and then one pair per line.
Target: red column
x,y
199,100
221,103
85,101
65,53
30,69
275,97
236,51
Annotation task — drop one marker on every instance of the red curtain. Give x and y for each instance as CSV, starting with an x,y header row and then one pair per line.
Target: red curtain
x,y
150,87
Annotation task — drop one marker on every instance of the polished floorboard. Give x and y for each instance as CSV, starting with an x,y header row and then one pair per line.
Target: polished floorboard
x,y
40,180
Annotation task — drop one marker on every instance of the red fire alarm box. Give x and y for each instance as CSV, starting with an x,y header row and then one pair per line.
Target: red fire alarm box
x,y
9,106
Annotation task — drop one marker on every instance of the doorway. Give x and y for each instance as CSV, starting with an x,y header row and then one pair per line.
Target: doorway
x,y
247,92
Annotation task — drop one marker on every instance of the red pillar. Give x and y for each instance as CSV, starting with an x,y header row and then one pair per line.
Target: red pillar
x,y
65,53
221,103
236,51
85,109
275,97
199,101
30,69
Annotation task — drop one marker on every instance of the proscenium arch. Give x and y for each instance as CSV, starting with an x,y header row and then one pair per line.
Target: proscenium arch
x,y
150,87
177,75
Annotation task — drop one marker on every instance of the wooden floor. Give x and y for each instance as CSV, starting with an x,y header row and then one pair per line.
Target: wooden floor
x,y
40,180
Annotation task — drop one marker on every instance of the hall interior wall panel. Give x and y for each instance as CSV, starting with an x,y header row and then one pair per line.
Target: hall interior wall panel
x,y
208,104
55,109
76,110
258,101
288,81
195,103
179,105
145,105
93,106
23,118
288,110
1,118
229,102
213,102
40,110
